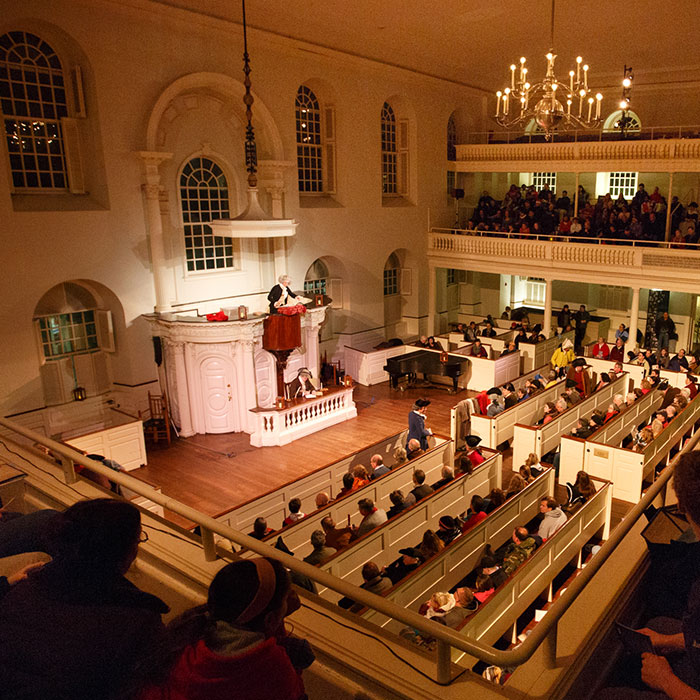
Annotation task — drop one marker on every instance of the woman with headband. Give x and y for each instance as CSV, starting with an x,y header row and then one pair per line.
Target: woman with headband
x,y
236,644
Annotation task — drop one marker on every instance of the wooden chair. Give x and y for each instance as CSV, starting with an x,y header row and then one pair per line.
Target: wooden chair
x,y
157,427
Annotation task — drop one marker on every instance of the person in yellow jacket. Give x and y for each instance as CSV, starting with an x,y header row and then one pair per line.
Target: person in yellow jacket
x,y
562,357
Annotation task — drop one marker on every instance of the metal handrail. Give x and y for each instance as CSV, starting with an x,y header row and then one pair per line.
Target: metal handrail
x,y
566,238
446,637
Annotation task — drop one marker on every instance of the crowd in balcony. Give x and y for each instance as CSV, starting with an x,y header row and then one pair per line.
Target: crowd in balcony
x,y
525,211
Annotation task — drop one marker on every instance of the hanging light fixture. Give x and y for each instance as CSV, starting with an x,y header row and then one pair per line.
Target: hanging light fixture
x,y
79,393
253,222
544,102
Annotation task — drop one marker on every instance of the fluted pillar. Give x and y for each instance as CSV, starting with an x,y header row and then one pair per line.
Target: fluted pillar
x,y
547,325
151,189
634,319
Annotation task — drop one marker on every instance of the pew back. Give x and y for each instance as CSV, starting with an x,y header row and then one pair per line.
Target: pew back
x,y
543,438
463,554
345,512
406,529
575,451
273,505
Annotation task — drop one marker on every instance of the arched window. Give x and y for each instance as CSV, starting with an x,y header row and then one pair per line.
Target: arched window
x,y
309,148
613,122
315,132
392,269
389,151
451,138
204,197
33,99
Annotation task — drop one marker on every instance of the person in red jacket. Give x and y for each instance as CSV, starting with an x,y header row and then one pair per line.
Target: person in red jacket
x,y
236,646
601,349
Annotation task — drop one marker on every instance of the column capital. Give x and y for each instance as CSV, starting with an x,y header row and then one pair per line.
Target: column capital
x,y
151,162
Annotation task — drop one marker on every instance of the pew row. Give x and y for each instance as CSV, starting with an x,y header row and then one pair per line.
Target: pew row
x,y
461,556
499,613
345,511
628,469
494,430
540,439
273,505
636,372
576,452
382,545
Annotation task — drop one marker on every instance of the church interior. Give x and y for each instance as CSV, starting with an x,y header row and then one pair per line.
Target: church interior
x,y
186,185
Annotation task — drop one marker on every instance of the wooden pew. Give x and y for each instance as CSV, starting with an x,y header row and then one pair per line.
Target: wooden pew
x,y
636,373
382,545
498,614
483,373
461,556
575,452
345,511
497,429
273,504
540,439
628,469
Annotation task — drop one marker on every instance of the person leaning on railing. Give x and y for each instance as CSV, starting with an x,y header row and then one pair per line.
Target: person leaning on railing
x,y
673,668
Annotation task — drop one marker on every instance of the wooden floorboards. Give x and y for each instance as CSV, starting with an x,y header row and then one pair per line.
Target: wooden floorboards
x,y
214,473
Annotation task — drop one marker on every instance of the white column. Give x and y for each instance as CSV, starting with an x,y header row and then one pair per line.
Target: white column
x,y
634,319
178,373
576,196
151,188
431,300
547,326
669,233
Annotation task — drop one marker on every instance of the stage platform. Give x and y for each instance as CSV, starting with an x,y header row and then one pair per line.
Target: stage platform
x,y
214,473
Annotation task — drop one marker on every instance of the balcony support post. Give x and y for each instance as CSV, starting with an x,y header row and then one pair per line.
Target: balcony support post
x,y
547,327
669,233
634,319
576,195
431,299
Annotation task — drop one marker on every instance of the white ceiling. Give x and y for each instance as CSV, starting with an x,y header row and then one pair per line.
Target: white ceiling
x,y
474,41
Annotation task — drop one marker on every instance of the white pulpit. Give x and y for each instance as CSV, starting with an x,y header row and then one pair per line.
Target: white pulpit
x,y
219,376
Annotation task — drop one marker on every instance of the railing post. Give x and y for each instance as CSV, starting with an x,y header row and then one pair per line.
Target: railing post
x,y
444,662
208,544
69,474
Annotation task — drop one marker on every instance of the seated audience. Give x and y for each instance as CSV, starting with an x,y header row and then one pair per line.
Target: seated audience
x,y
378,467
371,517
475,514
322,499
491,567
601,349
336,537
295,514
374,582
526,473
581,490
420,488
553,517
519,549
474,454
400,455
398,503
321,552
577,373
617,353
534,465
448,530
495,499
414,449
361,477
679,363
430,545
348,481
447,474
478,350
409,560
260,529
483,588
76,627
495,407
515,485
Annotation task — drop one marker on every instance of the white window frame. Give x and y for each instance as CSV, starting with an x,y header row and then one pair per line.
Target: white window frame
x,y
622,182
540,179
391,281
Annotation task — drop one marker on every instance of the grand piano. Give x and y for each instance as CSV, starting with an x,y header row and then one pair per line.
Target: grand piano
x,y
425,362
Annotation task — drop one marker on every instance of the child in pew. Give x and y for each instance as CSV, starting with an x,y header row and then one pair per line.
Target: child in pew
x,y
581,490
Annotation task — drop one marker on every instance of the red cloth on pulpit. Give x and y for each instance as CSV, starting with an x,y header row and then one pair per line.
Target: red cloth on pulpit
x,y
292,310
218,316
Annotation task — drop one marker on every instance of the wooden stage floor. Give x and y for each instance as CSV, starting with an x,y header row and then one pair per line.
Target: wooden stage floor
x,y
214,473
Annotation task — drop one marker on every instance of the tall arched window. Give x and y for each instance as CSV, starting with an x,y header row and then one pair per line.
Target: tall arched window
x,y
309,147
451,138
204,197
389,151
33,99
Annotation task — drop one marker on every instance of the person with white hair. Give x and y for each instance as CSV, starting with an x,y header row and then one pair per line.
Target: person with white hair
x,y
280,293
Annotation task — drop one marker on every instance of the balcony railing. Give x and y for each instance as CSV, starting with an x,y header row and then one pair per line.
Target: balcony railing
x,y
582,135
544,633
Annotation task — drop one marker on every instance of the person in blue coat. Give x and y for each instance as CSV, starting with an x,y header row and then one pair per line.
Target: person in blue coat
x,y
416,424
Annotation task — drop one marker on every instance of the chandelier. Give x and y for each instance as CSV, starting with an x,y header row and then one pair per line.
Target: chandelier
x,y
551,103
253,222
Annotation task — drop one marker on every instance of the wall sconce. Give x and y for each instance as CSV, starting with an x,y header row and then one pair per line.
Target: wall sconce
x,y
347,381
280,402
318,299
79,393
444,357
242,313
